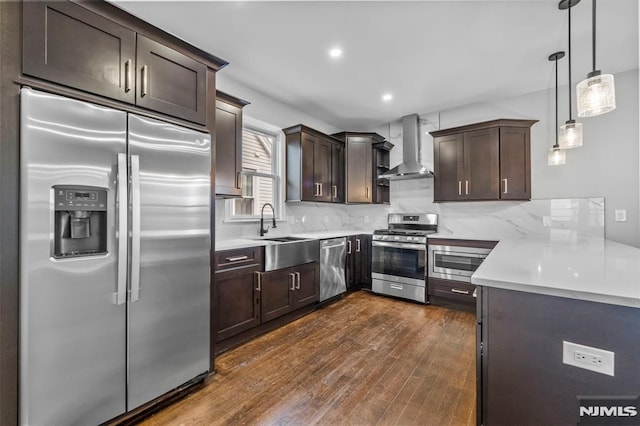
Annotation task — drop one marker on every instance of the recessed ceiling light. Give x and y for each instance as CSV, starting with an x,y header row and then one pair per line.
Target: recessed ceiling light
x,y
387,97
336,52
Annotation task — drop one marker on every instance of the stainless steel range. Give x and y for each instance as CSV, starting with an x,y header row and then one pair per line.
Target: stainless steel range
x,y
399,255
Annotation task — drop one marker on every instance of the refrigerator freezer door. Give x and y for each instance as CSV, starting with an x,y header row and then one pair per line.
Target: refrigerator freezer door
x,y
72,333
168,328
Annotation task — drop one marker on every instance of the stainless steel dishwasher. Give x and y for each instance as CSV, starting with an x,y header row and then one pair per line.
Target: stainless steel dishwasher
x,y
333,256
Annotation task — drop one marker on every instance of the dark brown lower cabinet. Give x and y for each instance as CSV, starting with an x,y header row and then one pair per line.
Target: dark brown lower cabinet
x,y
288,289
236,297
358,263
447,292
237,302
276,298
522,379
352,267
364,260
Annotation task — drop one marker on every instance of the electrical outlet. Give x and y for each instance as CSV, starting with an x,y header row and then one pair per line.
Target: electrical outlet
x,y
621,215
547,221
326,219
589,358
366,219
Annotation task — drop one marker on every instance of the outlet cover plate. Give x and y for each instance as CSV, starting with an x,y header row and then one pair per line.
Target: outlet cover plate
x,y
587,357
621,215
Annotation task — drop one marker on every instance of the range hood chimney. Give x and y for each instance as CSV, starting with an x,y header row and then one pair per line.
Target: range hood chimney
x,y
410,168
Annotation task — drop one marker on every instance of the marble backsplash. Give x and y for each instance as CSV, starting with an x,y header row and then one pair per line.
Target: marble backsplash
x,y
564,218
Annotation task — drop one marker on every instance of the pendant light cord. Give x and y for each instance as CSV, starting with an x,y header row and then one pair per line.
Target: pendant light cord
x,y
556,145
569,60
593,34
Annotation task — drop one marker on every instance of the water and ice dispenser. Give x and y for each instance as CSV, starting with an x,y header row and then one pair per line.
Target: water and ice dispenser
x,y
80,221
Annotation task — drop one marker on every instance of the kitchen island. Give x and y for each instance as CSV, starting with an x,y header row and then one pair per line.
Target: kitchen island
x,y
534,295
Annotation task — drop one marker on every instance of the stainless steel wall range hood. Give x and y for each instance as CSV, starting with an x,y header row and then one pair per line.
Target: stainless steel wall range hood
x,y
410,168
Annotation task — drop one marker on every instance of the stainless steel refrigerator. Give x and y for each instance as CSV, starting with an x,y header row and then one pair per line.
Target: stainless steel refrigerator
x,y
114,259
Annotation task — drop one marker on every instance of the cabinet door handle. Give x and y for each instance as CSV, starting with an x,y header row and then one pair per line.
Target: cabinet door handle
x,y
236,258
506,185
144,79
455,290
239,180
366,192
466,187
459,187
335,191
297,280
259,283
396,287
127,75
357,245
348,246
321,191
292,279
317,194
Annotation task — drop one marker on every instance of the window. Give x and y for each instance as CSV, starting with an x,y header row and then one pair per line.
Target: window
x,y
260,172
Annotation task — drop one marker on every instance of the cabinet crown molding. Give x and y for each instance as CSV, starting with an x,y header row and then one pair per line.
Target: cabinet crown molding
x,y
230,99
501,122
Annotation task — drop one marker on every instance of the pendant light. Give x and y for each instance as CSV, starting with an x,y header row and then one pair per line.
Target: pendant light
x,y
557,156
570,131
596,93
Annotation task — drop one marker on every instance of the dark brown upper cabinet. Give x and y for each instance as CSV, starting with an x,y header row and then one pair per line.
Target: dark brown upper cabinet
x,y
315,171
337,173
360,180
170,82
67,44
515,163
483,161
96,48
228,171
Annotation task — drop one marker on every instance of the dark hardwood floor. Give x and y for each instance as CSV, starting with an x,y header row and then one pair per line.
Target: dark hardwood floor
x,y
363,360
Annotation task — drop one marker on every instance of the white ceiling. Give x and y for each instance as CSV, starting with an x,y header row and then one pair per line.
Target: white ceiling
x,y
431,55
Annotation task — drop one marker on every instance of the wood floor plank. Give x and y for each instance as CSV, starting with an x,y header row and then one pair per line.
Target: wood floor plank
x,y
362,360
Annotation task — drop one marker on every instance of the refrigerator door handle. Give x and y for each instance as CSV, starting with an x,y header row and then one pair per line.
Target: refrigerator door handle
x,y
135,228
120,297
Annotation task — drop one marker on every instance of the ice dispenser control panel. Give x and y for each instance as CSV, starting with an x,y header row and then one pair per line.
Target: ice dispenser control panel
x,y
80,221
80,199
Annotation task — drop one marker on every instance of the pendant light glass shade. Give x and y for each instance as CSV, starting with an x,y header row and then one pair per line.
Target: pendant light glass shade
x,y
570,135
596,95
557,157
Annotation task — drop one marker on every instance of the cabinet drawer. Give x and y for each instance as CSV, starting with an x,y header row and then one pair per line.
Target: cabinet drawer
x,y
228,259
405,291
456,290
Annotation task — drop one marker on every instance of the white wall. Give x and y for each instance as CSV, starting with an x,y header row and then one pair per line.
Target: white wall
x,y
267,109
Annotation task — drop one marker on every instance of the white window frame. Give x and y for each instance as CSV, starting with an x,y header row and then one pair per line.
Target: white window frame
x,y
278,157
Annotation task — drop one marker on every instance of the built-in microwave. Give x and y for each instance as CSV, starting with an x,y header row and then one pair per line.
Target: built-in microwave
x,y
456,263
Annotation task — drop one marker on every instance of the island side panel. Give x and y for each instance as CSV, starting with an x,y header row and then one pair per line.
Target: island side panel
x,y
524,380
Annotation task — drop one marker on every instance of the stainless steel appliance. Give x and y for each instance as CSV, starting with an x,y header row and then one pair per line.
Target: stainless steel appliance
x,y
456,263
399,255
333,255
114,259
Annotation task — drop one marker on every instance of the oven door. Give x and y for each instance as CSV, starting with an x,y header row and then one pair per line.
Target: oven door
x,y
399,259
455,263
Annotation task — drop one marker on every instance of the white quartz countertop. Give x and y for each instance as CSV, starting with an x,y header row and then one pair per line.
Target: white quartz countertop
x,y
323,235
238,243
590,269
476,237
245,242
